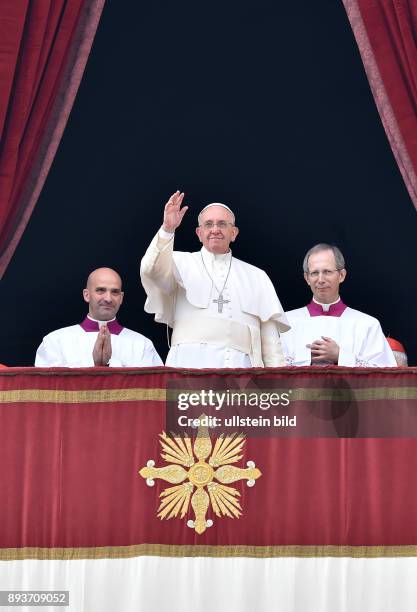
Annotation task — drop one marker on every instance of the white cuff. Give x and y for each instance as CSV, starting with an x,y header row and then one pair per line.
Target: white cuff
x,y
165,235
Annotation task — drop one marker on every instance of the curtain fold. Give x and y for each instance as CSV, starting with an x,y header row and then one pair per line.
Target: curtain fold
x,y
44,47
386,34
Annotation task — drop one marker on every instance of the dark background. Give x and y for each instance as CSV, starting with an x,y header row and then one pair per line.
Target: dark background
x,y
265,107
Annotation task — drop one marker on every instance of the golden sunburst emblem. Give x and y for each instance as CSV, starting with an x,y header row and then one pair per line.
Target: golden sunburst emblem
x,y
199,481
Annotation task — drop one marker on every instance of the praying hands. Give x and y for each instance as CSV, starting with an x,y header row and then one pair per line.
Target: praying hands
x,y
102,348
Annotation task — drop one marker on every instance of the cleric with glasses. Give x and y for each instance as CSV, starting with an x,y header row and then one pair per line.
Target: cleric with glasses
x,y
327,331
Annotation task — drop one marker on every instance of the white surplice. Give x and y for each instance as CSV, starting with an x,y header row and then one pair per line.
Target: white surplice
x,y
72,347
359,336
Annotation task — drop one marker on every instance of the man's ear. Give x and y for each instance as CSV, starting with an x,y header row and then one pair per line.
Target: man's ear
x,y
198,232
306,278
86,295
342,274
234,234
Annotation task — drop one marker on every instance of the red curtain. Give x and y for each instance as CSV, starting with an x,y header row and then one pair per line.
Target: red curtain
x,y
386,36
44,46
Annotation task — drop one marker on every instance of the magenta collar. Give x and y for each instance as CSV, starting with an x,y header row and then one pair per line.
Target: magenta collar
x,y
88,325
335,310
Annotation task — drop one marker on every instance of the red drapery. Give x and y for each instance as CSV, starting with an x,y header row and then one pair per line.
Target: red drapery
x,y
386,36
44,46
76,443
97,502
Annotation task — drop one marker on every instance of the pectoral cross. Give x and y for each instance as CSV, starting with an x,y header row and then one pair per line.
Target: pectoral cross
x,y
220,301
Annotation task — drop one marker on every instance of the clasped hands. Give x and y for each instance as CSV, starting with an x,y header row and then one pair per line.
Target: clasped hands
x,y
102,347
325,349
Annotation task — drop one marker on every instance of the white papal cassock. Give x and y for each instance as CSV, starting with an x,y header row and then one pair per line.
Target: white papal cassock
x,y
359,336
181,289
72,347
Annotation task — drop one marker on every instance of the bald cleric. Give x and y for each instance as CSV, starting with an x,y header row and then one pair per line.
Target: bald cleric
x,y
99,340
224,312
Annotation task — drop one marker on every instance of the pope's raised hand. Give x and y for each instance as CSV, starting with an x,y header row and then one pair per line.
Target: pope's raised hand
x,y
173,213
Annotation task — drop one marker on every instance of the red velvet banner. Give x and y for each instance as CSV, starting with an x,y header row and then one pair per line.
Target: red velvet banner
x,y
74,442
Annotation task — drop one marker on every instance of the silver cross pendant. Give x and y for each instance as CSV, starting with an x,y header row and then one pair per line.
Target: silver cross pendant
x,y
220,301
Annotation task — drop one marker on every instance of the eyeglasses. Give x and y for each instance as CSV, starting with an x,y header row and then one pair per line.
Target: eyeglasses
x,y
325,273
208,225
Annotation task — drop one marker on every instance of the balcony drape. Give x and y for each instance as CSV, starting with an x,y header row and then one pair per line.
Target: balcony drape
x,y
328,523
